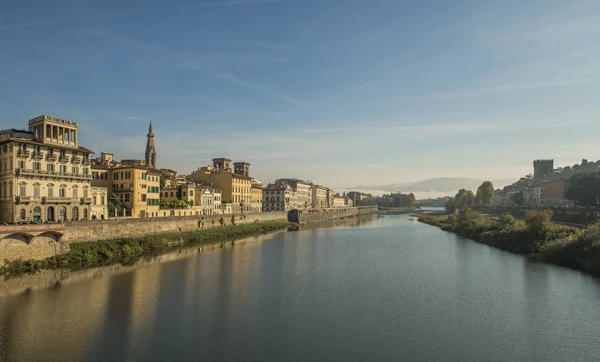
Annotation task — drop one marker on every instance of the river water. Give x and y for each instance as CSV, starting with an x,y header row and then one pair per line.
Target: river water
x,y
384,289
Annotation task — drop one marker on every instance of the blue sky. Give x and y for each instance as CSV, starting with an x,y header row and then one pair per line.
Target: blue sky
x,y
340,92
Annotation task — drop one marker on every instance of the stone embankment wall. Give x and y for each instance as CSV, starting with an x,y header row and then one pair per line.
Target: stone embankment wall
x,y
42,241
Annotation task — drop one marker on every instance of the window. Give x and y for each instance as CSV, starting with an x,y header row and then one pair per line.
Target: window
x,y
36,166
50,167
50,190
36,190
75,192
144,197
94,199
63,168
62,191
116,176
86,171
75,170
21,164
95,175
191,192
22,214
22,190
101,199
85,192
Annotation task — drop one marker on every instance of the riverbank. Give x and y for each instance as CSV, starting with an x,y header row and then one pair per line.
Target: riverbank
x,y
397,210
127,251
535,237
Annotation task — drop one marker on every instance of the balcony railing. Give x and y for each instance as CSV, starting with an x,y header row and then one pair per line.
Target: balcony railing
x,y
38,156
63,159
86,200
124,189
86,162
29,172
75,159
59,200
24,199
23,154
51,157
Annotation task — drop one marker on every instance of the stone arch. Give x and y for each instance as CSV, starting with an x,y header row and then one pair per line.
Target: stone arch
x,y
16,239
37,214
75,213
50,213
52,235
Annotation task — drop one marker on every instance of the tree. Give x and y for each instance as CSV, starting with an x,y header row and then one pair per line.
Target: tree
x,y
487,193
450,206
517,198
478,197
585,189
114,205
464,198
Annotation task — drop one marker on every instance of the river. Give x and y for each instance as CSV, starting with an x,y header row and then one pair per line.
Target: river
x,y
383,289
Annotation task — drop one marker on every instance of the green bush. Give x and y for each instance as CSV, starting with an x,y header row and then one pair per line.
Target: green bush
x,y
129,250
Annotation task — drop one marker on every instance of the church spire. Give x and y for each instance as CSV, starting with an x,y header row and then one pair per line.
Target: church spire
x,y
150,149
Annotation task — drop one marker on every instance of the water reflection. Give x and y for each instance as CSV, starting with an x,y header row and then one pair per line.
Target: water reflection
x,y
392,289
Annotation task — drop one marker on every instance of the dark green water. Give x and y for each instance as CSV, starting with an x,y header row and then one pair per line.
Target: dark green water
x,y
390,289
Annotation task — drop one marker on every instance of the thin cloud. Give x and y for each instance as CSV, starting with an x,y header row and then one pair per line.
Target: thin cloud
x,y
130,118
503,88
213,4
230,78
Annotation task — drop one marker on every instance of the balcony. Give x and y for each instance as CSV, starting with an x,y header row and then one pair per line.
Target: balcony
x,y
23,154
38,156
86,162
86,200
63,159
24,199
124,189
51,158
58,200
54,174
75,159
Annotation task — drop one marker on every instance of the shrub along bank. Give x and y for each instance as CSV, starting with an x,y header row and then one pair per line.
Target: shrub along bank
x,y
129,250
535,236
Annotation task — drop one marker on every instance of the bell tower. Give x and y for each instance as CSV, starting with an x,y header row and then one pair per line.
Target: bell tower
x,y
150,149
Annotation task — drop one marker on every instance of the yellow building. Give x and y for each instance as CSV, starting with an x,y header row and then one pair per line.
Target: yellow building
x,y
135,182
319,196
44,173
339,201
236,186
256,192
138,188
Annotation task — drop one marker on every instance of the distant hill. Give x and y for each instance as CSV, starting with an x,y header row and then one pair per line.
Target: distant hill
x,y
433,185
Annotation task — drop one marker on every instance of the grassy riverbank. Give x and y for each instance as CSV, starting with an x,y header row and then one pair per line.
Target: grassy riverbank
x,y
129,250
397,210
535,236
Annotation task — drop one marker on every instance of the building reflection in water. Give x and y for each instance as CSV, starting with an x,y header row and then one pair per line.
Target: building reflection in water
x,y
138,312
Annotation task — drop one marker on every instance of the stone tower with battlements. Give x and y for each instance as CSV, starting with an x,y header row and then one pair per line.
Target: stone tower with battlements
x,y
542,169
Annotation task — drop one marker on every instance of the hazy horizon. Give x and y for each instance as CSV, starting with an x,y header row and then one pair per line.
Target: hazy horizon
x,y
343,93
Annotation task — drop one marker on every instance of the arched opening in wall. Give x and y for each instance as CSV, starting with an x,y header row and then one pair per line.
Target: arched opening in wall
x,y
62,213
75,213
22,214
37,214
50,214
172,213
85,214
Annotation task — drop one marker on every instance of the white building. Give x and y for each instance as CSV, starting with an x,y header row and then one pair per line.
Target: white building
x,y
278,198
